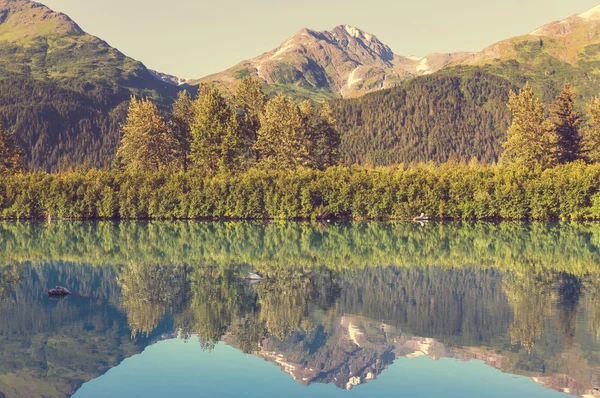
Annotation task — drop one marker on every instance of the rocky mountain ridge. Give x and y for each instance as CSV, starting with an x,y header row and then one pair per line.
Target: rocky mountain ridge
x,y
341,63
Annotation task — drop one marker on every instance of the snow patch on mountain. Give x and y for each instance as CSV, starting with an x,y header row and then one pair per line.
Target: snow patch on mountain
x,y
352,31
414,58
259,71
285,47
357,33
593,14
352,80
424,67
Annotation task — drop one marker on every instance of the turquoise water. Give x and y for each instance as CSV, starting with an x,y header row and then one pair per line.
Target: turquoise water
x,y
344,309
173,368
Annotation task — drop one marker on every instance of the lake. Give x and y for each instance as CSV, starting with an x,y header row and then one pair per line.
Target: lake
x,y
344,310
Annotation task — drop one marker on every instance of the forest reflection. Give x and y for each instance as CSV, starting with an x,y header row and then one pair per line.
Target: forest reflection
x,y
521,297
307,318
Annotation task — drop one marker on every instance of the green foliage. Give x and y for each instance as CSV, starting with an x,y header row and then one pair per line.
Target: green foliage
x,y
566,126
216,140
251,100
591,134
11,155
242,74
146,145
322,134
282,141
451,191
179,127
531,140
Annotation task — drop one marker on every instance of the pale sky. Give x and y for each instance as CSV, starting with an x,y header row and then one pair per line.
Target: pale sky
x,y
193,38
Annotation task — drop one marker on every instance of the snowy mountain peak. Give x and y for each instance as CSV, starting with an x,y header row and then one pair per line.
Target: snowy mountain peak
x,y
357,33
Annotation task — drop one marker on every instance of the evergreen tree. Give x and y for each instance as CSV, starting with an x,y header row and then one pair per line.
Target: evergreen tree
x,y
591,137
530,140
251,100
323,136
12,159
145,145
180,121
232,147
566,126
216,134
282,141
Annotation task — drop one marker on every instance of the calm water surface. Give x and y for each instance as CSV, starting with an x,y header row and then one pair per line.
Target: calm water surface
x,y
345,310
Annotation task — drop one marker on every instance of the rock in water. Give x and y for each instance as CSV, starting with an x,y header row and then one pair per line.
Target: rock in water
x,y
253,277
59,291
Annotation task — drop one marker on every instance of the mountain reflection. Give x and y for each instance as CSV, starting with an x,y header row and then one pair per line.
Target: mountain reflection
x,y
530,307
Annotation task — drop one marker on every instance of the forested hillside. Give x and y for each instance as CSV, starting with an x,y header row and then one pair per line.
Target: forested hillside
x,y
64,92
457,114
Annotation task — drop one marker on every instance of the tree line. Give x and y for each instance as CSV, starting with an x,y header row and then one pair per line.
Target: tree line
x,y
214,133
544,137
250,157
451,191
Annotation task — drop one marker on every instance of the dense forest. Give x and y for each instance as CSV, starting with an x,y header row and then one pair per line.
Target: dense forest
x,y
457,115
60,127
431,118
250,157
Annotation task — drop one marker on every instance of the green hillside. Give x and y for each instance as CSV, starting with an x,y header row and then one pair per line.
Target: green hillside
x,y
456,114
63,91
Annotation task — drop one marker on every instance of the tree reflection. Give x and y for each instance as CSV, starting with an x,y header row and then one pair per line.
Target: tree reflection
x,y
569,290
535,298
212,302
149,289
10,277
528,298
218,297
288,296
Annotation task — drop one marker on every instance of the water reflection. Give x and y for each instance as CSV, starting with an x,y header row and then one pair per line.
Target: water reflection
x,y
524,298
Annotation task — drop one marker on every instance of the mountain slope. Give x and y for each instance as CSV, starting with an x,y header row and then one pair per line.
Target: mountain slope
x,y
63,91
558,52
459,114
345,62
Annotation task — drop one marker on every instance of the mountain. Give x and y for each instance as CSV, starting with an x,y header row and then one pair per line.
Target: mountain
x,y
460,112
341,63
560,51
65,92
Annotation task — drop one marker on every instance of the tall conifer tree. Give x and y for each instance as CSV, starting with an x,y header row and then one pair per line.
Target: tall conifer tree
x,y
251,100
531,140
322,134
566,126
216,134
145,145
591,136
12,158
282,141
180,121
